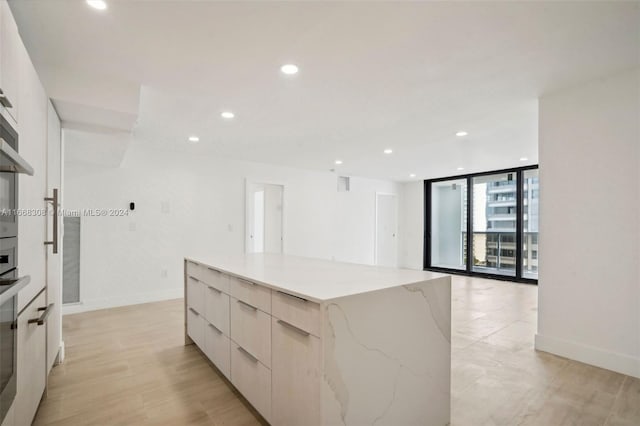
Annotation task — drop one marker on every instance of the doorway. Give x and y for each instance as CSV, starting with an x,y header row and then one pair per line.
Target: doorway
x,y
386,247
264,218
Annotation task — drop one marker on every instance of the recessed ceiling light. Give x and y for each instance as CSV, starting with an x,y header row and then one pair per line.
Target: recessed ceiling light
x,y
228,115
289,69
460,168
412,175
388,151
97,4
462,133
338,162
194,139
524,159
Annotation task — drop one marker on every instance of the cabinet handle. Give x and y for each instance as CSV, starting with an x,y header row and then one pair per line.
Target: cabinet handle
x,y
247,354
292,296
246,281
45,313
253,308
5,102
194,311
293,327
194,278
213,270
215,289
54,202
192,262
215,328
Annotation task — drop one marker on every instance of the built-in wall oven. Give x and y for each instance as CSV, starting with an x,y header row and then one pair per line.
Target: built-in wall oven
x,y
11,283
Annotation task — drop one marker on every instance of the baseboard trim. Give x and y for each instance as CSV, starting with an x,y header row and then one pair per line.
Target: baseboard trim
x,y
115,302
613,361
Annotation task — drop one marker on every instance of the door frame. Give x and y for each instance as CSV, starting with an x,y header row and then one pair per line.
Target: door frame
x,y
247,200
375,225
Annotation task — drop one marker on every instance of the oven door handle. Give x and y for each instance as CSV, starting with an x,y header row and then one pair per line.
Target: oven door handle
x,y
54,202
45,313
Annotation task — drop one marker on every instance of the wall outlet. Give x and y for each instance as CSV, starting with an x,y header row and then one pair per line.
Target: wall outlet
x,y
164,273
230,227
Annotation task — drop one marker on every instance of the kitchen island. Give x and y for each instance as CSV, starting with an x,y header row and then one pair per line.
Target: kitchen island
x,y
315,342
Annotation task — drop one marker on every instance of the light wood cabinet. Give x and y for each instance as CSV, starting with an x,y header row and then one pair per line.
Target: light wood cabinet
x,y
251,329
216,308
195,294
32,362
251,293
297,311
295,375
217,349
252,378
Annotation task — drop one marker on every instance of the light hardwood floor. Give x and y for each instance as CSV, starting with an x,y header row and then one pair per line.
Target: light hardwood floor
x,y
128,366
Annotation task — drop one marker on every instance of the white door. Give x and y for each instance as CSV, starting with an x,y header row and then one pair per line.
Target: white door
x,y
386,230
264,218
54,260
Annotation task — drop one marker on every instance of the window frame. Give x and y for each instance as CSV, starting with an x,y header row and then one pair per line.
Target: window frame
x,y
468,271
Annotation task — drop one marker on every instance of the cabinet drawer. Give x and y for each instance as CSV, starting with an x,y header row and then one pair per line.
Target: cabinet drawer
x,y
214,278
295,376
195,327
193,269
252,379
218,349
300,312
254,294
251,329
195,294
216,308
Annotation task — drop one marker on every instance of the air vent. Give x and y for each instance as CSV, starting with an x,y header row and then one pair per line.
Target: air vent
x,y
344,183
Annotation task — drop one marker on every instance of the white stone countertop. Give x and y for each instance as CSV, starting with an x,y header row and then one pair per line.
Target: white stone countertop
x,y
313,279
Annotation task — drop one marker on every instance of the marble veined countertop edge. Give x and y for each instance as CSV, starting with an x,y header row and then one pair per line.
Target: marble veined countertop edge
x,y
313,279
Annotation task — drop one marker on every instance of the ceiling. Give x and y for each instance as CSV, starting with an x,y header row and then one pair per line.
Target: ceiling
x,y
373,75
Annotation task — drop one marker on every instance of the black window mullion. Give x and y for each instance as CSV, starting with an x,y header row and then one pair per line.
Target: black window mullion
x,y
427,225
469,223
519,222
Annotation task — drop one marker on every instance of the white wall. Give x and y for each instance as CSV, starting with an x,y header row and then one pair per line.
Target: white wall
x,y
411,225
589,284
195,204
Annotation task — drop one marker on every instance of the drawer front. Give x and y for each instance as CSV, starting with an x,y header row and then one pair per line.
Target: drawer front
x,y
195,328
216,308
251,329
193,269
195,294
252,379
300,312
295,376
218,349
214,278
254,294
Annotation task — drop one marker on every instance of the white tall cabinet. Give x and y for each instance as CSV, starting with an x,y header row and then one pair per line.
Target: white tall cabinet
x,y
312,342
24,103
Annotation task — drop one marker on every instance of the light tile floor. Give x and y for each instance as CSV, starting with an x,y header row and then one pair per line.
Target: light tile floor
x,y
128,366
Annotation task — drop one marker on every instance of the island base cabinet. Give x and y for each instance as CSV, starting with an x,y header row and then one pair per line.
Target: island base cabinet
x,y
195,328
217,349
296,369
252,379
32,362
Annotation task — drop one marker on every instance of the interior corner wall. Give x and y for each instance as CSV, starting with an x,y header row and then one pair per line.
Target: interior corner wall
x,y
189,204
589,282
411,225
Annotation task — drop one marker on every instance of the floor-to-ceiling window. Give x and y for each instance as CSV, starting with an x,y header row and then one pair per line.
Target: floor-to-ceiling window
x,y
484,224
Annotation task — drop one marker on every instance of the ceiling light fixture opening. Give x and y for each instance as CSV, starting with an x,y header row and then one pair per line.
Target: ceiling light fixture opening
x,y
460,168
289,69
412,175
462,133
524,159
388,151
97,4
338,162
228,115
194,139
